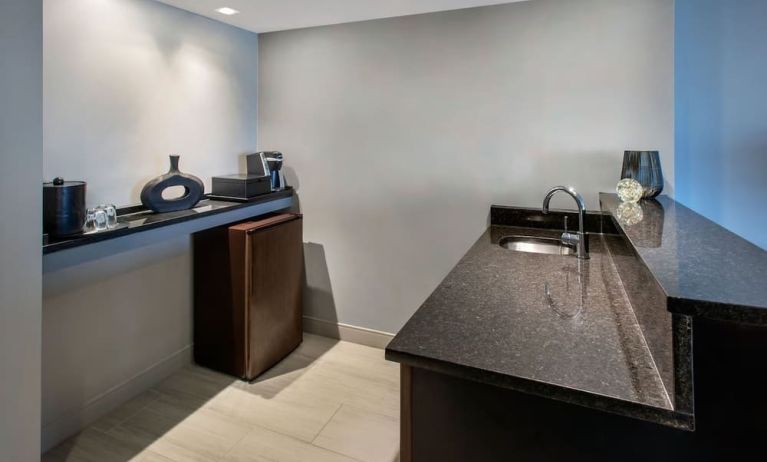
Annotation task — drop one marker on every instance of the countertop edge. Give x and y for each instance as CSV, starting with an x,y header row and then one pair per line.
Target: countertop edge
x,y
597,402
709,309
739,314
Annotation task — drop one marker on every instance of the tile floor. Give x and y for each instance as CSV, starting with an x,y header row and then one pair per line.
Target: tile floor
x,y
328,401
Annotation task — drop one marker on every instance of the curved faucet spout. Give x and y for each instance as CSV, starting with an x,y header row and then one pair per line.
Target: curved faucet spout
x,y
567,189
580,241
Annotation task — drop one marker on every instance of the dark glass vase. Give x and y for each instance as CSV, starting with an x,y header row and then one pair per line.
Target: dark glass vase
x,y
644,166
151,194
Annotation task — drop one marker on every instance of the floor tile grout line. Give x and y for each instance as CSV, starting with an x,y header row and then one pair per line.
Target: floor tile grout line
x,y
229,451
369,411
337,453
256,427
359,409
340,405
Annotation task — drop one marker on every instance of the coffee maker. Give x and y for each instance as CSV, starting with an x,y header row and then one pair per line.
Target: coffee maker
x,y
273,161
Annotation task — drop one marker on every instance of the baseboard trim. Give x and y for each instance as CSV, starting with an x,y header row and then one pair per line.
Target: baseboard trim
x,y
75,420
347,332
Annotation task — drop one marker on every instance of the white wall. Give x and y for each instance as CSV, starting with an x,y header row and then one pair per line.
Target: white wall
x,y
21,151
126,83
403,131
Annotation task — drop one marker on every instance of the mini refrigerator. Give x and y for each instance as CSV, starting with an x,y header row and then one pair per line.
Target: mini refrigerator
x,y
248,282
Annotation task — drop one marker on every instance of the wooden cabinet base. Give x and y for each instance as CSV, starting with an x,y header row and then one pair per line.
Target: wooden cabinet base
x,y
448,419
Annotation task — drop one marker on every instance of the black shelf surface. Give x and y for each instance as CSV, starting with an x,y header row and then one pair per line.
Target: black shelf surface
x,y
136,219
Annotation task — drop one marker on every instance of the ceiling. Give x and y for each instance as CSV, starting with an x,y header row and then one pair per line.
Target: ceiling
x,y
273,15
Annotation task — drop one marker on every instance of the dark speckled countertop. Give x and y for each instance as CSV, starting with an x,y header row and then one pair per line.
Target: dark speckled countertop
x,y
491,320
577,331
704,269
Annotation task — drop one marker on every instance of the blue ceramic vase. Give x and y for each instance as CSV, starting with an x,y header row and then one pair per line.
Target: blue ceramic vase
x,y
644,166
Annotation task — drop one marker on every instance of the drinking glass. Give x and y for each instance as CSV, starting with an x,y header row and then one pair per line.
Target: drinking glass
x,y
90,221
111,212
100,218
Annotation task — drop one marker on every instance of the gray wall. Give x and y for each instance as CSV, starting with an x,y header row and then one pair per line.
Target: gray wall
x,y
721,112
126,83
401,132
21,151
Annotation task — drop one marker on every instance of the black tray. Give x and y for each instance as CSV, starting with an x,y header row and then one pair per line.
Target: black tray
x,y
216,197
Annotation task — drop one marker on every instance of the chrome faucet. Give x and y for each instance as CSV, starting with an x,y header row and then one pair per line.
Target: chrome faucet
x,y
578,241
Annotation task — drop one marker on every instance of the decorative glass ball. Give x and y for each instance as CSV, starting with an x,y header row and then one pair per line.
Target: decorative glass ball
x,y
629,190
630,213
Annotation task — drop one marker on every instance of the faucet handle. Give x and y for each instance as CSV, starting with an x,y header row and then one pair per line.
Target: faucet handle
x,y
569,239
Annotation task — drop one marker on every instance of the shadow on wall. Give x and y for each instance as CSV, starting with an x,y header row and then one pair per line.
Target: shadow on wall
x,y
319,303
291,179
320,315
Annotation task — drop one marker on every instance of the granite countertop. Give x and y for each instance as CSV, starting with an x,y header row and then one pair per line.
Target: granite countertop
x,y
704,269
491,320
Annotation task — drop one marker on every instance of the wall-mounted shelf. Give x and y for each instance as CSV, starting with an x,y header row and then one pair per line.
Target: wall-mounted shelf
x,y
136,219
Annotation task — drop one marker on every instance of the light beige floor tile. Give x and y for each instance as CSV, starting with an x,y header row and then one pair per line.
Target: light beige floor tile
x,y
343,389
359,361
177,406
125,411
299,416
150,456
201,436
315,346
144,456
296,365
264,445
96,446
201,415
360,434
280,377
345,374
354,388
353,352
196,380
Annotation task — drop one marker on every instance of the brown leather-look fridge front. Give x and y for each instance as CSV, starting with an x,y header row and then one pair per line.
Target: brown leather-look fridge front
x,y
248,282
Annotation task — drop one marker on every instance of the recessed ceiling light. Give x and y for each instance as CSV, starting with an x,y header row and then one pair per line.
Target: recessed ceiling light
x,y
227,11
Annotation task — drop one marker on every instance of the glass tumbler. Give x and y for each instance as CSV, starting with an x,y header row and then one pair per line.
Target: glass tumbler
x,y
95,220
90,221
111,212
100,219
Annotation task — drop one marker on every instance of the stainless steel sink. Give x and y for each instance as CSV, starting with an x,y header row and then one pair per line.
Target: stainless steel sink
x,y
547,245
